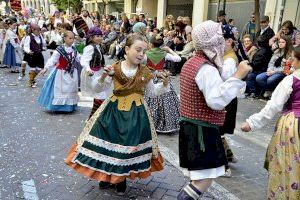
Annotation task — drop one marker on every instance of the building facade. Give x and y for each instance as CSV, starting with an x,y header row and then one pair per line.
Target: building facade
x,y
44,6
200,10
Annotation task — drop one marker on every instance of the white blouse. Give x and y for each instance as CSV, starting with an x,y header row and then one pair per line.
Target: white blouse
x,y
87,56
218,93
53,60
13,38
152,89
26,47
279,97
228,69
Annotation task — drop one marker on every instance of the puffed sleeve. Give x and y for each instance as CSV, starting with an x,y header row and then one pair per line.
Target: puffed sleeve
x,y
218,93
279,97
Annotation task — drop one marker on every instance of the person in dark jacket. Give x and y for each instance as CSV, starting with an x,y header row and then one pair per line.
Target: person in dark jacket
x,y
265,30
259,64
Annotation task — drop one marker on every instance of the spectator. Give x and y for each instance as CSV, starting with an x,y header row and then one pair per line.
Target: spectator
x,y
169,22
186,53
135,19
96,23
265,30
222,17
180,29
274,74
250,28
125,23
142,19
86,17
289,30
109,38
259,64
249,47
169,41
188,28
233,28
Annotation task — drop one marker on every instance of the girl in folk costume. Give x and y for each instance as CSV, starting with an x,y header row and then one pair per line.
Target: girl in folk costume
x,y
228,69
34,44
92,61
119,141
2,36
59,92
164,108
203,97
283,153
11,46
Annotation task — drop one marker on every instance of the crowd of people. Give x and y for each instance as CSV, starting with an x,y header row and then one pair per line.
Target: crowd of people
x,y
215,62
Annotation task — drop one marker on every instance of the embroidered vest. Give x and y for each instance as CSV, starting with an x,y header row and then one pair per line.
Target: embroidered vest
x,y
62,63
128,90
34,46
192,101
97,61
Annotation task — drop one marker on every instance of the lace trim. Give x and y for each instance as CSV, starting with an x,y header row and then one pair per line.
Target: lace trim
x,y
155,149
112,173
117,147
65,101
114,161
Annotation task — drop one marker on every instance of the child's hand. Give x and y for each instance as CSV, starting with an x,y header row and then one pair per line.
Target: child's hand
x,y
109,70
245,127
90,72
43,72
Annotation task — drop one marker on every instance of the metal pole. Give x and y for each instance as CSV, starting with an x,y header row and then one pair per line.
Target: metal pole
x,y
224,5
218,7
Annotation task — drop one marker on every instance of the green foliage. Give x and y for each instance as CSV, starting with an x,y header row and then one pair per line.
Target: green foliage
x,y
75,5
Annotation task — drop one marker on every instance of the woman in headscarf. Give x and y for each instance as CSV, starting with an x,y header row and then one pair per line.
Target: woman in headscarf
x,y
203,97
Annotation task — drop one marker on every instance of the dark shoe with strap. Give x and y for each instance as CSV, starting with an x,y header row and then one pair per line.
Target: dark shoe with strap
x,y
189,192
104,185
121,187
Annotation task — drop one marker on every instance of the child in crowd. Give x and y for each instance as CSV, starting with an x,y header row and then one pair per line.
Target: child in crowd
x,y
34,44
93,62
12,50
59,93
164,108
283,153
119,141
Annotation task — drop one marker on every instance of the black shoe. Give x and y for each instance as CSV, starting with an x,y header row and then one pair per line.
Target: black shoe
x,y
121,187
104,185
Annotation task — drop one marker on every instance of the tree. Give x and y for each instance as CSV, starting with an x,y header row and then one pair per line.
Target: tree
x,y
66,4
257,15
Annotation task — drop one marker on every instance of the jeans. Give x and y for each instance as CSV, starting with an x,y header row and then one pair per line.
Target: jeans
x,y
269,83
252,86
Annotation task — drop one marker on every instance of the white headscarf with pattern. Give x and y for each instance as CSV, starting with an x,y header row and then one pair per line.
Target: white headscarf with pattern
x,y
208,37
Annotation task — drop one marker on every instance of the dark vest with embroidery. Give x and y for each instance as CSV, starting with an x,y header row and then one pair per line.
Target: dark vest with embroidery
x,y
97,60
34,46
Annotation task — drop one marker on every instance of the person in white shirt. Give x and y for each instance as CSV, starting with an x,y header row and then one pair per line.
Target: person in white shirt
x,y
93,62
85,16
34,44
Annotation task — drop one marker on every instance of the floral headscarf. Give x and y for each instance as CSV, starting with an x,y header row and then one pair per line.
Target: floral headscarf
x,y
208,37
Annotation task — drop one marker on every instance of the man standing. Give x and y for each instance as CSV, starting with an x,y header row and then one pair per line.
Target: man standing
x,y
265,30
86,17
249,28
222,17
